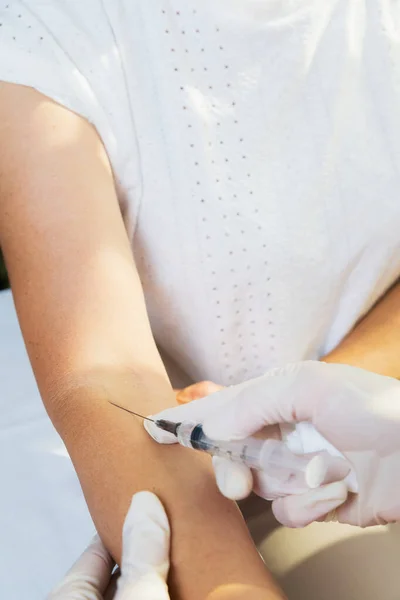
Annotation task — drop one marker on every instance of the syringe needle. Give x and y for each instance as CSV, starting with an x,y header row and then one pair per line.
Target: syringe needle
x,y
169,426
132,412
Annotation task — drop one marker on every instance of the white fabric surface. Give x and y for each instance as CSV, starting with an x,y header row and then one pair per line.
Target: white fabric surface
x,y
44,522
256,147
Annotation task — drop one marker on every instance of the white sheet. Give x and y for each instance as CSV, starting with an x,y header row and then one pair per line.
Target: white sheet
x,y
44,522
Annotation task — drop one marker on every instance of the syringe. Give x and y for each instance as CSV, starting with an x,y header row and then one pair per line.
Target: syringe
x,y
269,455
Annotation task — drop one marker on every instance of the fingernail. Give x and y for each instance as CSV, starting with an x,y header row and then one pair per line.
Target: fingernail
x,y
183,398
158,435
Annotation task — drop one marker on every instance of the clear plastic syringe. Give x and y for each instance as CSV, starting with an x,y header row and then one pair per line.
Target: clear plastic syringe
x,y
294,472
269,455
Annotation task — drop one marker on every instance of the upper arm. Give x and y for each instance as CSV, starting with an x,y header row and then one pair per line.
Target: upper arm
x,y
72,272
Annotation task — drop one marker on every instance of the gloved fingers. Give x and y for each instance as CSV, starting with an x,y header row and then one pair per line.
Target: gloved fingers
x,y
323,468
89,575
271,487
149,586
196,391
194,411
234,480
146,547
111,590
355,511
252,405
159,435
283,395
301,474
301,510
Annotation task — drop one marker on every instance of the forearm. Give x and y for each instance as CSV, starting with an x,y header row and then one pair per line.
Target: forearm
x,y
83,315
114,457
374,344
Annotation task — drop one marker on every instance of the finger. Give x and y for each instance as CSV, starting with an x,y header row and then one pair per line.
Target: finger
x,y
146,536
95,565
177,391
234,480
92,571
356,512
112,586
146,547
324,469
299,511
196,391
159,435
297,478
149,586
270,487
282,395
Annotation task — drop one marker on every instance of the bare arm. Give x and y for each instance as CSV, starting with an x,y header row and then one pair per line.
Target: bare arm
x,y
374,344
82,313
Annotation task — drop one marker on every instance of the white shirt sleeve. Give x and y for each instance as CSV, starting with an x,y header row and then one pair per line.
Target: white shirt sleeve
x,y
66,50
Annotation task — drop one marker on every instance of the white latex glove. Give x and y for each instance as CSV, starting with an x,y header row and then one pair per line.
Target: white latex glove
x,y
358,412
145,559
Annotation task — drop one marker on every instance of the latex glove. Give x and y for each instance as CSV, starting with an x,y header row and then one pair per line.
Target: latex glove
x,y
145,559
358,412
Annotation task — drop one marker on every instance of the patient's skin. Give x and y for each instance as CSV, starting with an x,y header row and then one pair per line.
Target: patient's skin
x,y
83,317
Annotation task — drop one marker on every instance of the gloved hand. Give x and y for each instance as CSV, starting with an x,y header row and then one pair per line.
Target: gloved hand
x,y
201,389
145,560
358,412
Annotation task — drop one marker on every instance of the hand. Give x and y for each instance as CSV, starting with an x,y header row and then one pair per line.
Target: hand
x,y
196,391
358,412
235,484
145,560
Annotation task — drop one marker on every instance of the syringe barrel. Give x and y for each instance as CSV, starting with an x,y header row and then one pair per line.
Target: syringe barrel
x,y
247,451
282,471
269,455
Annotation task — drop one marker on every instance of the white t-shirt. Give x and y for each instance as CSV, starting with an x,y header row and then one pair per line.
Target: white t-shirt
x,y
256,147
